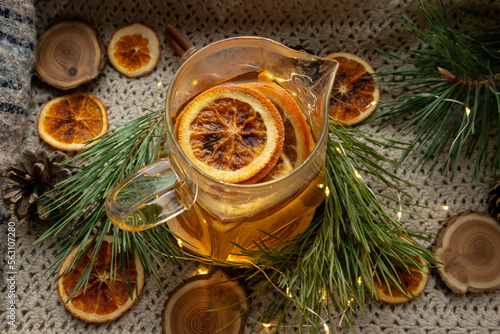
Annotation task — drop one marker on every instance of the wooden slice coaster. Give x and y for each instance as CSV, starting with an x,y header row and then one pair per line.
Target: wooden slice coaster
x,y
187,309
69,54
468,245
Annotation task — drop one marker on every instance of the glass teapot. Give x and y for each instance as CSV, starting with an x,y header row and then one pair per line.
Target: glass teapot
x,y
217,219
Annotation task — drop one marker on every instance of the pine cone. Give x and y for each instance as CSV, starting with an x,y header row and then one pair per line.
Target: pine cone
x,y
494,201
30,177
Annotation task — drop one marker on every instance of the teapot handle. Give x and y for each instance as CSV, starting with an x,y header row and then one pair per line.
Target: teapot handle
x,y
149,197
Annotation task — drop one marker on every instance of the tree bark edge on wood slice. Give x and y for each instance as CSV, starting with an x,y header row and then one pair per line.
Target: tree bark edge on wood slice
x,y
468,246
69,54
186,308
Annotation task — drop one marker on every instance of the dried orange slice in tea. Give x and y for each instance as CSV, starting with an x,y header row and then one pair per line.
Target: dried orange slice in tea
x,y
355,92
67,122
232,133
413,282
105,298
134,50
298,140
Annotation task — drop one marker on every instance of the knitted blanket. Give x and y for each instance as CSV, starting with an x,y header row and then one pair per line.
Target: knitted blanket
x,y
17,45
321,26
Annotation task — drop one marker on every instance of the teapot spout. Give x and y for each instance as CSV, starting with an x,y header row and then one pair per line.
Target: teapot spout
x,y
307,77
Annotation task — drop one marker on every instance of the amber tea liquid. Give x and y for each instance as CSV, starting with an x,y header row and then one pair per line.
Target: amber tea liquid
x,y
216,227
205,233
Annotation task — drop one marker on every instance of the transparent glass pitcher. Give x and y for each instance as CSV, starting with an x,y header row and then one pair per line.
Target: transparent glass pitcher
x,y
211,217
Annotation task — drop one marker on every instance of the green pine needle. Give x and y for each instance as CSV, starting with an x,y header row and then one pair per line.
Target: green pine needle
x,y
453,100
79,200
352,243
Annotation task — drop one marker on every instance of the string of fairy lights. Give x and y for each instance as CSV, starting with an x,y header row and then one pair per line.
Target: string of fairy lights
x,y
203,270
324,297
340,150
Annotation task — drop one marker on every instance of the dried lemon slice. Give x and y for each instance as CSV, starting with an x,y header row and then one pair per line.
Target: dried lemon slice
x,y
67,122
355,93
298,140
232,133
134,50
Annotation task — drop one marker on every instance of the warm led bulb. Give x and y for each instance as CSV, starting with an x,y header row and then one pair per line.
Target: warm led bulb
x,y
202,271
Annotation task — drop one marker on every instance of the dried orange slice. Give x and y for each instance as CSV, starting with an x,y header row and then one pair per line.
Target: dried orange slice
x,y
134,50
413,283
355,92
104,299
232,133
298,139
69,121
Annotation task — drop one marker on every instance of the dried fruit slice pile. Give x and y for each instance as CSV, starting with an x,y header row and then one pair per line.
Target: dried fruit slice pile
x,y
232,133
298,141
244,133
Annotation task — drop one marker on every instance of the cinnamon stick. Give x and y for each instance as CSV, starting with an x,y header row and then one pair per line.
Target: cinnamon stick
x,y
177,41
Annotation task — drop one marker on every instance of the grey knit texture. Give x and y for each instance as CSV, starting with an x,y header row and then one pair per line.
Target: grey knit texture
x,y
322,27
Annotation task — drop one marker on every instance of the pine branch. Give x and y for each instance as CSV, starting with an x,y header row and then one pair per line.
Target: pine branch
x,y
79,200
351,238
453,98
354,241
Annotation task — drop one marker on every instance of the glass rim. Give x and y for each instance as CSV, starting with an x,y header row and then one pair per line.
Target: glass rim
x,y
250,41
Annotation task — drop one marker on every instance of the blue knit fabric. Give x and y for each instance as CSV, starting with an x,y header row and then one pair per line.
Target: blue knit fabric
x,y
17,54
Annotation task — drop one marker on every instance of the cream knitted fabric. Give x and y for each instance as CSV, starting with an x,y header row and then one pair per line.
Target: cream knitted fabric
x,y
322,27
